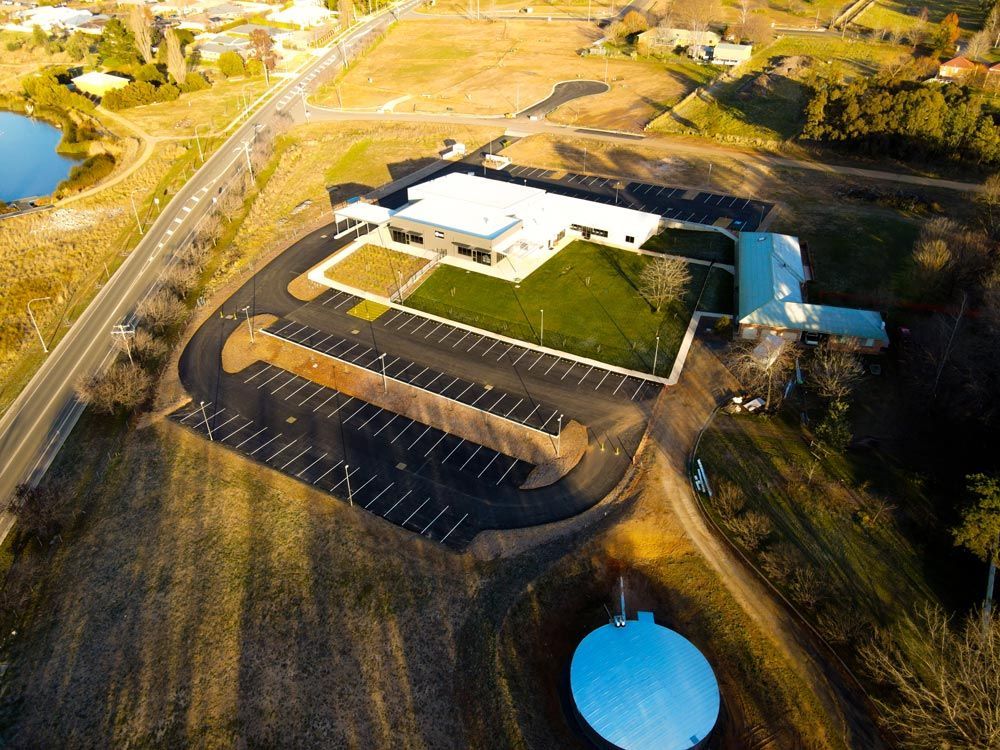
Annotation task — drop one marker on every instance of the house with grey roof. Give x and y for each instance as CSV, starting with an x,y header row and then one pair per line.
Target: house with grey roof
x,y
770,276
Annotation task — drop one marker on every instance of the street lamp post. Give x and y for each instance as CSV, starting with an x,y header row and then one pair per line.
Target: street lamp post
x,y
656,353
541,334
31,315
385,384
347,476
249,325
559,438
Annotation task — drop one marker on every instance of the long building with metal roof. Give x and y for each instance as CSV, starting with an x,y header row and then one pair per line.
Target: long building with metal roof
x,y
770,276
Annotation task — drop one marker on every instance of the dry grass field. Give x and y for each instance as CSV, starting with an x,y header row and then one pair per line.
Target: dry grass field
x,y
481,67
376,269
197,599
539,8
66,253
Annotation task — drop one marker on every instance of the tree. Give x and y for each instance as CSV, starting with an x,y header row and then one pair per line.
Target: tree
x,y
161,311
697,14
263,48
946,34
121,388
38,37
231,65
946,683
78,46
835,430
346,11
757,30
139,23
762,368
988,203
176,64
978,45
979,531
664,280
634,23
34,508
835,371
117,45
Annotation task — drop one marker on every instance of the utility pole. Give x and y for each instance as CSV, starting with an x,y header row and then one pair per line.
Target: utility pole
x,y
347,476
246,150
249,325
136,213
31,315
125,333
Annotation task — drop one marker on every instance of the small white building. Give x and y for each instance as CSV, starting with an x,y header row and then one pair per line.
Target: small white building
x,y
731,54
305,14
50,18
98,84
505,229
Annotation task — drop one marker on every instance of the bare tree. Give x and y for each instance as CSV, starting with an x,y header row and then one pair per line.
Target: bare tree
x,y
988,203
346,10
978,44
697,14
751,528
762,368
179,280
835,371
263,48
34,508
664,280
946,684
744,7
122,387
139,23
147,348
176,64
160,312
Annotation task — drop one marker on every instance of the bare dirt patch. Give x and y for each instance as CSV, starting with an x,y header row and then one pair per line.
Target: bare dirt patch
x,y
573,444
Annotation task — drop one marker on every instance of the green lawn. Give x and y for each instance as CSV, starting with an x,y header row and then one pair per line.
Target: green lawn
x,y
690,244
889,14
591,303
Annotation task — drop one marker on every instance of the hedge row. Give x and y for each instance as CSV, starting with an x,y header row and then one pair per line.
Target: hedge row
x,y
84,175
138,93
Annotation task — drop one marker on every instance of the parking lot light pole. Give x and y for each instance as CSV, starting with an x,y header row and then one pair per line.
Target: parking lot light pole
x,y
559,438
347,476
31,315
207,425
385,383
656,353
197,139
541,334
249,325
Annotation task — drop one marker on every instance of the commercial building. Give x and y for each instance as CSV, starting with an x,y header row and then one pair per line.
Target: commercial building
x,y
505,229
770,277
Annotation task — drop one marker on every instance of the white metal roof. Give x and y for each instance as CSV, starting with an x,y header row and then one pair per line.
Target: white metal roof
x,y
644,687
468,188
459,216
360,211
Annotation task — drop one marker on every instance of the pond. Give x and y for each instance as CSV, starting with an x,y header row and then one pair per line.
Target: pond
x,y
31,165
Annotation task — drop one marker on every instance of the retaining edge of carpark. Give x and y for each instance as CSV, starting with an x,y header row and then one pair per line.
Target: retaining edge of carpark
x,y
403,382
483,332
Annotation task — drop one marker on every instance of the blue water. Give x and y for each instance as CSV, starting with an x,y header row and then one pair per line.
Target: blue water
x,y
29,164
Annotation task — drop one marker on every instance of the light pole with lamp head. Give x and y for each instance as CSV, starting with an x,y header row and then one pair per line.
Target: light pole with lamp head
x,y
31,315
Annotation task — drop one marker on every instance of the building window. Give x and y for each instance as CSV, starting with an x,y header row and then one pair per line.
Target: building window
x,y
416,239
464,250
485,257
588,231
439,234
630,239
398,235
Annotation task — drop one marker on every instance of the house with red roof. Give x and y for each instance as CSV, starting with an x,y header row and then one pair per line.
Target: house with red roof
x,y
956,68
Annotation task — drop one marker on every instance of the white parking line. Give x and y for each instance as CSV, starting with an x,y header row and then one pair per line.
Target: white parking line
x,y
350,298
478,448
219,427
412,422
514,363
344,354
504,475
279,372
386,514
394,416
450,331
460,340
238,429
366,483
262,429
365,423
281,450
478,342
259,372
532,413
624,378
568,371
519,401
608,372
196,411
328,471
585,375
347,475
641,384
303,403
422,324
443,436
384,490
502,397
297,390
495,457
393,317
537,360
311,465
548,420
294,377
415,512
328,398
418,437
408,319
479,397
266,444
305,451
363,405
424,530
495,342
459,396
505,352
431,332
454,527
435,380
554,362
349,400
462,440
282,328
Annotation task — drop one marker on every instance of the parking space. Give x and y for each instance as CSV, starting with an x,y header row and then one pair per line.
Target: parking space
x,y
533,173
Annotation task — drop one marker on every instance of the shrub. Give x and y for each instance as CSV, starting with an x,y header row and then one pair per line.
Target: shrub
x,y
195,82
254,67
14,44
139,93
150,73
85,175
835,429
121,388
231,64
751,529
729,500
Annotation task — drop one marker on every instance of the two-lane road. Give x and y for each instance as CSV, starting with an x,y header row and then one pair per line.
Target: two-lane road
x,y
38,422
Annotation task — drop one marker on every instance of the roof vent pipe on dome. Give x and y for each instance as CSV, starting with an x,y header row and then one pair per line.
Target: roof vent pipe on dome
x,y
619,619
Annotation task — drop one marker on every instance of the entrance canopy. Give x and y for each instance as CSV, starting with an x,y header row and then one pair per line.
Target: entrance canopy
x,y
366,212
